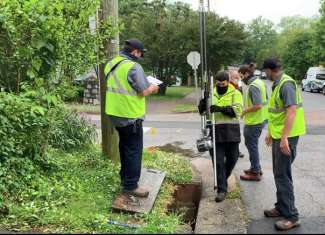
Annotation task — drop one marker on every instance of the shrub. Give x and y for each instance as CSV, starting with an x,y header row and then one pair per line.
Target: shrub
x,y
28,127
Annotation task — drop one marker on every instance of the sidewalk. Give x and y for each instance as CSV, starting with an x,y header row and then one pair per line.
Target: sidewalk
x,y
227,217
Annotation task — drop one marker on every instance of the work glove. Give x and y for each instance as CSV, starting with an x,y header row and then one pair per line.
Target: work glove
x,y
227,110
202,107
215,109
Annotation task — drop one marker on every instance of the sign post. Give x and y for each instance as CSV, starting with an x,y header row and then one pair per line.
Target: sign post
x,y
194,59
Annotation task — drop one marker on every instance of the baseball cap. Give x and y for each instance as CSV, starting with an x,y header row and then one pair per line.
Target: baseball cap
x,y
136,44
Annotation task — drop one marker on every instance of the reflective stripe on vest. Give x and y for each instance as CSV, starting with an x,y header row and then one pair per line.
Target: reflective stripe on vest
x,y
121,99
261,115
277,112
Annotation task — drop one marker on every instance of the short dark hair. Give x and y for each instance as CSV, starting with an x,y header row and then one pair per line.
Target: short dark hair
x,y
247,68
272,63
222,76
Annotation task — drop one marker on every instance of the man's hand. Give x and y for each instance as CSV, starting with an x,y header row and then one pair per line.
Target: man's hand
x,y
152,89
155,89
268,140
284,146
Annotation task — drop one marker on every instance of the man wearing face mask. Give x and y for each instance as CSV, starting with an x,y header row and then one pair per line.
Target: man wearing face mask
x,y
227,108
255,116
127,87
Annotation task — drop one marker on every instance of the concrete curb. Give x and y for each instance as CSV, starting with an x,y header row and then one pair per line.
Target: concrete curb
x,y
228,217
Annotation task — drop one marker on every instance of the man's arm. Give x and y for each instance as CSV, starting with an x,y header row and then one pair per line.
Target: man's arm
x,y
256,98
150,90
138,81
288,95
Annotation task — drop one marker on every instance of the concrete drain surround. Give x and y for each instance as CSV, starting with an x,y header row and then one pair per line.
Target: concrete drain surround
x,y
186,201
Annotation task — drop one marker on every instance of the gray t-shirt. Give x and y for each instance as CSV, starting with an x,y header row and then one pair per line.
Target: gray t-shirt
x,y
287,93
138,81
254,93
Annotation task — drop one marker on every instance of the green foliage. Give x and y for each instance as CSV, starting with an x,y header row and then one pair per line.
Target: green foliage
x,y
171,31
320,38
262,40
29,124
77,196
167,162
47,39
71,132
298,55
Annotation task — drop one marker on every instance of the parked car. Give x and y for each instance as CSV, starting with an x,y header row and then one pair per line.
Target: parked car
x,y
258,73
314,80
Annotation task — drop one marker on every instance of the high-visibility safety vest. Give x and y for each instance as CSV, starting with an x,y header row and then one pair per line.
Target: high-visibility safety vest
x,y
277,112
260,116
233,98
121,99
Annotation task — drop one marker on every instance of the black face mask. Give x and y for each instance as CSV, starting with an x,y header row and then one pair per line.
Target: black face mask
x,y
222,90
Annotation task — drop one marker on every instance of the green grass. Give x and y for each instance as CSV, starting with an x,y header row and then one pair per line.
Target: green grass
x,y
236,194
185,108
77,197
83,108
173,93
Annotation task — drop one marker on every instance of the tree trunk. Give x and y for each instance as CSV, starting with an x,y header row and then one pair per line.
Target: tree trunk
x,y
109,8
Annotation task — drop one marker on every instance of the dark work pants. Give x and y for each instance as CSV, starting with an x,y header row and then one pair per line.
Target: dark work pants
x,y
252,135
227,157
283,179
131,148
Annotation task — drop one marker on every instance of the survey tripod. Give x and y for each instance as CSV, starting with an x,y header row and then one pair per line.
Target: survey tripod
x,y
207,140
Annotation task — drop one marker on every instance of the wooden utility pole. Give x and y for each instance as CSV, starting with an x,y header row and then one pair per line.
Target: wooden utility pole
x,y
109,10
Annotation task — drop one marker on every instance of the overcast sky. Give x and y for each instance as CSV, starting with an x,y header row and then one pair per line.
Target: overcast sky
x,y
246,10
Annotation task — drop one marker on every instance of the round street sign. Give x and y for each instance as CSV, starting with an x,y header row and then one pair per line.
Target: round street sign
x,y
194,59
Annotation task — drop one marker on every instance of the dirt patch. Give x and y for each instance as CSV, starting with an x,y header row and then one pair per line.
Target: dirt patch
x,y
186,200
175,147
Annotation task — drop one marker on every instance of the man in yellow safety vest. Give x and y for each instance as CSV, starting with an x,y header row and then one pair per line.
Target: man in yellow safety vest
x,y
127,87
227,108
255,117
286,124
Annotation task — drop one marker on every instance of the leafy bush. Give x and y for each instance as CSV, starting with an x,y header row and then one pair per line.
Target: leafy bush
x,y
71,132
28,127
48,39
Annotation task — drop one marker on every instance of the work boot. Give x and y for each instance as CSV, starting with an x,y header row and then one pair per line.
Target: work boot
x,y
251,177
138,192
250,170
284,225
221,197
273,213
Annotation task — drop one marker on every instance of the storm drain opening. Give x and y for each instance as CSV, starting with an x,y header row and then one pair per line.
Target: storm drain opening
x,y
186,200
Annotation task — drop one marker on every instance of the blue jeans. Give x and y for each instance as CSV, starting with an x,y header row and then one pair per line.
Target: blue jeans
x,y
252,135
131,148
283,179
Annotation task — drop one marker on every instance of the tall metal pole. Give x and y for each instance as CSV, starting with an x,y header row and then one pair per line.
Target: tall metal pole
x,y
203,77
109,10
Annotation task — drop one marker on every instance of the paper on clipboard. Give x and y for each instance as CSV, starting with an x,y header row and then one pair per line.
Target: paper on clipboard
x,y
154,80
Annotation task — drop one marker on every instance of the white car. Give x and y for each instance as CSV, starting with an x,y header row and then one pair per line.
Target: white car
x,y
314,80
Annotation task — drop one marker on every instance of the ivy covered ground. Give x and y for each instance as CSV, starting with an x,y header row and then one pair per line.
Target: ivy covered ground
x,y
76,193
